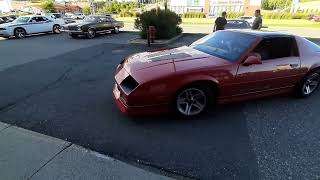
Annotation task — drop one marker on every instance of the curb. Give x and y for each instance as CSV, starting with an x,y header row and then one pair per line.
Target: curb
x,y
144,41
68,149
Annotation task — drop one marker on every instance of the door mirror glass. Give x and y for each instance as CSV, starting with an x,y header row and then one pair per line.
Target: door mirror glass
x,y
252,59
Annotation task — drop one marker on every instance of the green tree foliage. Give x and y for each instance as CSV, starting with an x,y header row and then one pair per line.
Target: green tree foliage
x,y
275,4
86,10
115,7
48,6
165,22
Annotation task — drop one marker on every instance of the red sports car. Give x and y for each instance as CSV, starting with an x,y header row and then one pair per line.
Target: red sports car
x,y
223,67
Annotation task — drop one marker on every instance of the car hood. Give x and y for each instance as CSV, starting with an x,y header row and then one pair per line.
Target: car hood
x,y
158,57
78,24
9,24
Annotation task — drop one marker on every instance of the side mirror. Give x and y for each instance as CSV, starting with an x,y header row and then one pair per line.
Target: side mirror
x,y
252,59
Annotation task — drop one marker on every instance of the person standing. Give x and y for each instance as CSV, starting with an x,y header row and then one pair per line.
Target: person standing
x,y
220,22
257,23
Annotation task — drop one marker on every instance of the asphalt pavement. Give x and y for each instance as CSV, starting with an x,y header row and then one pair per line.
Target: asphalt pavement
x,y
68,96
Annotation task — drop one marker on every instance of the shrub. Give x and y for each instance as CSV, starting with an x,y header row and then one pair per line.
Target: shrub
x,y
234,15
86,10
48,6
165,22
194,15
126,14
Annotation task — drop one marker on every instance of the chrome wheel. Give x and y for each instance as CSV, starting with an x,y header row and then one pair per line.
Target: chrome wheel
x,y
311,84
191,101
91,33
20,33
56,29
116,30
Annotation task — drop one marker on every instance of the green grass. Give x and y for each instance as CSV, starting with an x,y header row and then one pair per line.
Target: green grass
x,y
266,22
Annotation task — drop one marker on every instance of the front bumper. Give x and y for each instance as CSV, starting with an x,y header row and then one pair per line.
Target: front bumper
x,y
4,33
74,32
136,110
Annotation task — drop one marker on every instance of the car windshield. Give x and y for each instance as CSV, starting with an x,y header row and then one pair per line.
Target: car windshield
x,y
89,19
226,45
22,19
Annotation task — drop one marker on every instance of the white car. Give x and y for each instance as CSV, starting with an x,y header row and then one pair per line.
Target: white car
x,y
78,15
31,24
249,19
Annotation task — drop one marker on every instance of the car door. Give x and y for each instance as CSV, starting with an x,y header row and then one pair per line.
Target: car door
x,y
280,68
100,24
44,24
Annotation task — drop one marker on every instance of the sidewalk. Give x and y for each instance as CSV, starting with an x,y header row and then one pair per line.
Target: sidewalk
x,y
32,156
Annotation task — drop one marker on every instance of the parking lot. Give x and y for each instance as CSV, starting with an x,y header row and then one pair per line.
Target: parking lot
x,y
62,87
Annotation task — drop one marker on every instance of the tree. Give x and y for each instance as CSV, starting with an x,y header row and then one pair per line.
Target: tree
x,y
48,6
86,10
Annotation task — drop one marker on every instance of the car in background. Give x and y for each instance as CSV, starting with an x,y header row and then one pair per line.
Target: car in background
x,y
249,19
223,67
30,24
57,17
237,24
315,18
7,19
92,25
77,15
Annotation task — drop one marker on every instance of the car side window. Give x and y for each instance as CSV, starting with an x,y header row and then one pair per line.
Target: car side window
x,y
103,19
276,47
34,19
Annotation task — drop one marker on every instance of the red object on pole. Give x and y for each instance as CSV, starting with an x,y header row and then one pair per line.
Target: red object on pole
x,y
152,33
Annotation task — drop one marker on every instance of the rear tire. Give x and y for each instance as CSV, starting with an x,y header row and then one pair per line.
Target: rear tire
x,y
20,33
91,33
193,100
56,29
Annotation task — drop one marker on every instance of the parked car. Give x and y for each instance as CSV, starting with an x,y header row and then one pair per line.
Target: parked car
x,y
77,15
30,24
7,19
249,19
237,24
58,17
315,18
223,67
92,25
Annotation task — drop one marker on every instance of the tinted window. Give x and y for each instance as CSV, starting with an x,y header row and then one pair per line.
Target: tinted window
x,y
277,47
57,15
226,45
38,19
89,19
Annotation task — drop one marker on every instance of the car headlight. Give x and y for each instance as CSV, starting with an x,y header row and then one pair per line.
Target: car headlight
x,y
129,84
79,28
2,29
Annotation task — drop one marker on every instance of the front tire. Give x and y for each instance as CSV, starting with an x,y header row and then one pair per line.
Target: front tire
x,y
116,30
308,84
91,33
193,100
20,33
56,29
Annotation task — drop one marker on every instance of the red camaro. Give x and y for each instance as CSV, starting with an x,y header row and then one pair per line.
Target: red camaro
x,y
223,67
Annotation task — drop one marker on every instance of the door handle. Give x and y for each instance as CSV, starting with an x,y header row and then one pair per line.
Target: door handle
x,y
293,65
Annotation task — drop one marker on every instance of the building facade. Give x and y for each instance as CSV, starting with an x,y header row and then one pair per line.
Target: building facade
x,y
214,7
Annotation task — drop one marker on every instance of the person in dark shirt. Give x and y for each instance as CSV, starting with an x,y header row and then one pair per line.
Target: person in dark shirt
x,y
220,22
257,23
